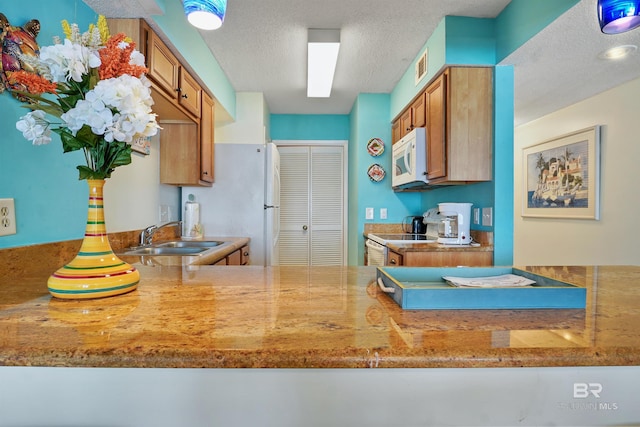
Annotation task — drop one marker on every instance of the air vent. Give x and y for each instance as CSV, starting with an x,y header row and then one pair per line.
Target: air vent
x,y
421,67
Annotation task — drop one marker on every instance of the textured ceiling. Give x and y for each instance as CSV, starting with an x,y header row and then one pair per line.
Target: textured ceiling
x,y
262,47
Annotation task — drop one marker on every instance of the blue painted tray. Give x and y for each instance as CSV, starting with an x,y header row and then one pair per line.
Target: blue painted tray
x,y
422,288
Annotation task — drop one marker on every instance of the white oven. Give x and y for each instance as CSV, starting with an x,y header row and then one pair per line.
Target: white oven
x,y
376,252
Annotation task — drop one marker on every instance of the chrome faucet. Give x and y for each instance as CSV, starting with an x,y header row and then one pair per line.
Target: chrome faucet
x,y
146,237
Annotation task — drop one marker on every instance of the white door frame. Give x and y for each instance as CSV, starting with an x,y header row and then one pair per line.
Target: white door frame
x,y
345,175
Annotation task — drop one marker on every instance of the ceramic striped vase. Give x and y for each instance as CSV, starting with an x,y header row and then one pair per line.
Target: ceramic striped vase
x,y
96,271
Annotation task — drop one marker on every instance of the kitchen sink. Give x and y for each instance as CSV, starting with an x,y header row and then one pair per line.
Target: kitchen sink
x,y
168,250
189,244
175,248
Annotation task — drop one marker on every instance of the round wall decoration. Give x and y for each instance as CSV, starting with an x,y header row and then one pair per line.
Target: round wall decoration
x,y
375,147
376,172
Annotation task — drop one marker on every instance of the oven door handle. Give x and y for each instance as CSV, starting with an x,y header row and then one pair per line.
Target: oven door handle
x,y
385,289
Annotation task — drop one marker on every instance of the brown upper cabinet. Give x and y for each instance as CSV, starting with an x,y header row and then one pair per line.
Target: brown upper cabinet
x,y
458,116
185,110
412,117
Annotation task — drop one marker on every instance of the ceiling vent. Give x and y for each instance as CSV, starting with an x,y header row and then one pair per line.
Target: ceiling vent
x,y
421,67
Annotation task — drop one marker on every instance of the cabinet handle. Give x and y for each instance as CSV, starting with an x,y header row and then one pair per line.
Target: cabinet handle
x,y
246,254
185,96
305,228
205,173
392,262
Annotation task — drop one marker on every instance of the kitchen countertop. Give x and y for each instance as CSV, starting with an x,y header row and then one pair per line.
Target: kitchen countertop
x,y
436,247
308,317
417,246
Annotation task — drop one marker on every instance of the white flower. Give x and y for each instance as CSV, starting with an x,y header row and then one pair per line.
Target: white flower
x,y
69,61
34,127
118,108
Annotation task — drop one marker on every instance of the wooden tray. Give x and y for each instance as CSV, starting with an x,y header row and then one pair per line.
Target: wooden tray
x,y
422,288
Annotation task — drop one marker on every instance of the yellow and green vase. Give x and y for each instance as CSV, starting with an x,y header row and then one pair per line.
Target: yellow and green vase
x,y
96,271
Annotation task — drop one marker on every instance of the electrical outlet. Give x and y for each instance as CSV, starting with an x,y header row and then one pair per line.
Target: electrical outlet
x,y
369,213
487,217
383,213
7,217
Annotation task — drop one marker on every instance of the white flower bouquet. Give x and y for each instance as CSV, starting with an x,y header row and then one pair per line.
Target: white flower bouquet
x,y
95,85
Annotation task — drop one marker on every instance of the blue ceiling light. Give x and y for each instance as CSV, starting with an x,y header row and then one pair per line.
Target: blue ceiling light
x,y
618,16
205,14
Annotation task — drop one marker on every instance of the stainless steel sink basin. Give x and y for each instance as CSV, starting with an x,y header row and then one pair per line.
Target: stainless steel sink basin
x,y
175,248
160,250
190,244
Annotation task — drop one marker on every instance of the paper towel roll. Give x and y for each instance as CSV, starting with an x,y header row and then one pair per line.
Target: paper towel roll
x,y
191,227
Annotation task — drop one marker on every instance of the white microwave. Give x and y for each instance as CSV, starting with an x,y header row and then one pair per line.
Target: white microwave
x,y
410,160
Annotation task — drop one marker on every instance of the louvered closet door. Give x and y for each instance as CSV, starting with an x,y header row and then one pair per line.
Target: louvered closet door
x,y
312,205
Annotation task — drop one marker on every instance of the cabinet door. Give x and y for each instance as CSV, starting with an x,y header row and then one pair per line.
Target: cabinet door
x,y
435,102
207,140
395,132
234,258
163,66
406,122
418,111
189,93
179,152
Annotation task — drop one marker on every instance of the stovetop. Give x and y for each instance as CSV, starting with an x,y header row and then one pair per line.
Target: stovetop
x,y
383,239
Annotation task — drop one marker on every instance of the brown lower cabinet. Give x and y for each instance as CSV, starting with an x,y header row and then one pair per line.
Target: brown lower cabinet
x,y
440,259
241,256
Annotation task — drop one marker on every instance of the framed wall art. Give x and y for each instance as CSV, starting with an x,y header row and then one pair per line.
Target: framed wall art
x,y
562,176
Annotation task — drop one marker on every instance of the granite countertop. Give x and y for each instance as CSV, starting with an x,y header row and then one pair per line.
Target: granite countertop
x,y
436,247
308,317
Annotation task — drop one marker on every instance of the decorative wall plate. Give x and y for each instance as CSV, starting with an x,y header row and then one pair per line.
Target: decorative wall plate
x,y
375,147
376,172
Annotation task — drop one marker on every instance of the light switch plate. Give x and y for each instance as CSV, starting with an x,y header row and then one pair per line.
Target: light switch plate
x,y
369,213
476,215
487,217
383,213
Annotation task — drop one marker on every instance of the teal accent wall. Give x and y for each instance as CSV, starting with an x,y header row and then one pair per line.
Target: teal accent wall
x,y
50,201
523,19
406,88
370,119
188,41
309,126
503,154
470,41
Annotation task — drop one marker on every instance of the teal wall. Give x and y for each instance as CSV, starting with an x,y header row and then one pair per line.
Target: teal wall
x,y
370,119
310,126
523,19
50,201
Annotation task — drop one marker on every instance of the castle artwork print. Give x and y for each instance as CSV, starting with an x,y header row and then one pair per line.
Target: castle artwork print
x,y
561,176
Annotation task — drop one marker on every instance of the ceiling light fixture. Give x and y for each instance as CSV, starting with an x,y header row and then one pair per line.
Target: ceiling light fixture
x,y
205,14
618,16
322,57
618,52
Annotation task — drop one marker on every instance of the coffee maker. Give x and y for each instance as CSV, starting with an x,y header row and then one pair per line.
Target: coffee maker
x,y
455,219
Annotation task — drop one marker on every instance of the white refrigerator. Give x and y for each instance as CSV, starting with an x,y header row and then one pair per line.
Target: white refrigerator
x,y
244,200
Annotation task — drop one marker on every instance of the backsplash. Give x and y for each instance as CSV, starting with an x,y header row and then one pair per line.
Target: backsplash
x,y
51,256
